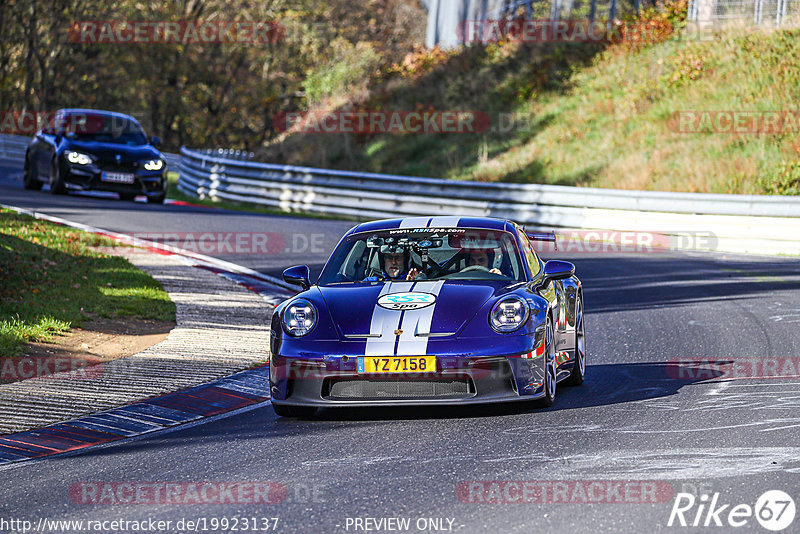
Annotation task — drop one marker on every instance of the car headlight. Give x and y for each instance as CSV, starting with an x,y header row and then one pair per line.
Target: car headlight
x,y
78,158
154,165
299,317
508,314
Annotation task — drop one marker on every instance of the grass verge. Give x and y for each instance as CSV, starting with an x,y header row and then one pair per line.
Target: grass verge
x,y
52,278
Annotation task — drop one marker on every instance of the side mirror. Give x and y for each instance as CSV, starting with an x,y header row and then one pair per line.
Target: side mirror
x,y
556,270
155,141
297,275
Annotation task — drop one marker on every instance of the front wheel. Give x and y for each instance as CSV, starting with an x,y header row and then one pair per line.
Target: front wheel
x,y
549,367
157,200
579,370
301,412
29,181
56,181
127,196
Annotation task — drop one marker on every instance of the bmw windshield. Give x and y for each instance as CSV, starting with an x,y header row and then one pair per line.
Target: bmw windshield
x,y
102,128
425,254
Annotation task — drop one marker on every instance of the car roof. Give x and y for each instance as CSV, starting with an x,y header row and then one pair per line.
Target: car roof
x,y
74,111
455,221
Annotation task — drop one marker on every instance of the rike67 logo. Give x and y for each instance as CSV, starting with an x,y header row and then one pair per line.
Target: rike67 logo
x,y
774,510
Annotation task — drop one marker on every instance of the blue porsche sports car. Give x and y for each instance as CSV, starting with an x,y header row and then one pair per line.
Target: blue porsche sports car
x,y
428,310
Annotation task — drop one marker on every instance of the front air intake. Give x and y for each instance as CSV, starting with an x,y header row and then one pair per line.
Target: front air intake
x,y
382,389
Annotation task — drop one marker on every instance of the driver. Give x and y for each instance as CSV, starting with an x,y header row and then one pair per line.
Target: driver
x,y
394,260
480,258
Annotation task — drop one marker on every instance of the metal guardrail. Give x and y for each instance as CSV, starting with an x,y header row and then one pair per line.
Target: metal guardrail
x,y
738,223
742,223
13,147
227,153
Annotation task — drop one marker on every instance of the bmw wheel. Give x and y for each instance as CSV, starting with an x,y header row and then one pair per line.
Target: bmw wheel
x,y
29,181
56,181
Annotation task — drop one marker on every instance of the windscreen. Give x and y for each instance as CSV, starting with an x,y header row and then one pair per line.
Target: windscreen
x,y
101,128
425,254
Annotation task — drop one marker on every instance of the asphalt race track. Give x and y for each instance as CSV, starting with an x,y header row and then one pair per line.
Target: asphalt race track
x,y
611,455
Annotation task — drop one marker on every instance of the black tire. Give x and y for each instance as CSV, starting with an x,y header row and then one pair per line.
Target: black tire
x,y
56,181
302,412
127,196
29,181
157,200
549,366
578,374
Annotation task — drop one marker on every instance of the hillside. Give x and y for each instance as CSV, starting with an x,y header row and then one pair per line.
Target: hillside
x,y
588,114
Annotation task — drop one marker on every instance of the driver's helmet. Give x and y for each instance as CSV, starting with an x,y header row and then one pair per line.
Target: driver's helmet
x,y
394,249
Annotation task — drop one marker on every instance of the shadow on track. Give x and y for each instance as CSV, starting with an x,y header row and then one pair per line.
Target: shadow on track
x,y
606,385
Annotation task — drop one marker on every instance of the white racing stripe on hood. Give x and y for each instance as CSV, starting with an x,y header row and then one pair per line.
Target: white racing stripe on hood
x,y
414,222
444,222
418,321
385,322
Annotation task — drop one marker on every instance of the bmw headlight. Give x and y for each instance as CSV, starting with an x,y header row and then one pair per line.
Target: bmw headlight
x,y
508,314
299,317
154,165
78,158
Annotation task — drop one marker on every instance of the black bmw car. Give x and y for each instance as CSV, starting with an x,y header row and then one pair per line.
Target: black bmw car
x,y
87,149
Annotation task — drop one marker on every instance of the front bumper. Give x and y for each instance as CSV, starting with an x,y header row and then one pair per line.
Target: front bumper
x,y
90,177
334,381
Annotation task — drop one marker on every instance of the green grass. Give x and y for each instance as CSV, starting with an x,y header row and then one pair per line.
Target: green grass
x,y
588,114
52,279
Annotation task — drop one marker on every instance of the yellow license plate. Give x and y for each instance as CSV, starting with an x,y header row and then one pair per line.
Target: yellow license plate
x,y
397,364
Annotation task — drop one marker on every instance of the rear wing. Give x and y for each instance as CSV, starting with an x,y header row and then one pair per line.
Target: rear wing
x,y
542,236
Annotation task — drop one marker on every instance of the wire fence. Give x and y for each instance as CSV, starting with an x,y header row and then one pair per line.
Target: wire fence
x,y
447,18
570,9
776,13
